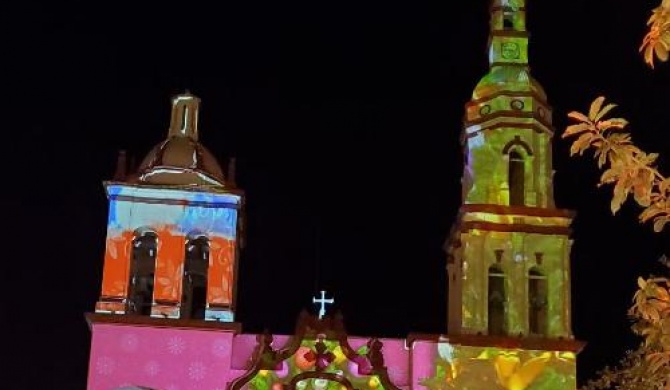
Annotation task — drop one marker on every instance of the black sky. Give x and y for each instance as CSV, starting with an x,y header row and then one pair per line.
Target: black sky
x,y
345,120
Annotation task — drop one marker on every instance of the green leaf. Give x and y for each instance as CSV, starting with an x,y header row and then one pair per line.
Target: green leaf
x,y
595,108
613,123
610,175
576,129
604,112
621,190
578,116
581,144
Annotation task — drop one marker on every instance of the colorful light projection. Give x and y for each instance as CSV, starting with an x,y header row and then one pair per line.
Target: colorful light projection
x,y
522,259
176,217
317,359
330,367
491,368
158,357
508,122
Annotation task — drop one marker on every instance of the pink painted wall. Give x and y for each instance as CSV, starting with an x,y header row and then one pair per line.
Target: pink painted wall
x,y
193,359
423,366
159,358
162,358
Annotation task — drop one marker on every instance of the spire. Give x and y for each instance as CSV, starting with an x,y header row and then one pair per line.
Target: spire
x,y
508,15
184,119
121,167
232,168
508,43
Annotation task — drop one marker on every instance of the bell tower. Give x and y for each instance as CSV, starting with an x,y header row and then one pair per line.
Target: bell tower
x,y
173,232
509,250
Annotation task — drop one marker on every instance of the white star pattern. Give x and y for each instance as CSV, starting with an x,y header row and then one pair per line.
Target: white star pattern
x,y
220,347
152,368
176,345
172,387
197,371
129,342
105,365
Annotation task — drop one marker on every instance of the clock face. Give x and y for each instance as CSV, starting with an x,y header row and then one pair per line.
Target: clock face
x,y
510,50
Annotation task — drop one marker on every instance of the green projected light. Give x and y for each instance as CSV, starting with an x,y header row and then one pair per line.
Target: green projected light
x,y
490,368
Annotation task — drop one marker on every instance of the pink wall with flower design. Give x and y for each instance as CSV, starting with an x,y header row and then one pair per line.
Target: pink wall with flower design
x,y
192,359
159,358
174,358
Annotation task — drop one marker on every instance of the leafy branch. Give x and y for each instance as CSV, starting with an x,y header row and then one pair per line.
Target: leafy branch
x,y
633,373
656,43
651,309
632,172
629,169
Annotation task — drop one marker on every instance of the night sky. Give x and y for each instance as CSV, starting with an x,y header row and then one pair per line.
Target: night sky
x,y
345,120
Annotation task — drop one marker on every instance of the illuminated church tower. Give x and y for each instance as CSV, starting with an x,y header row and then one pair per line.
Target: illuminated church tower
x,y
509,251
172,234
165,318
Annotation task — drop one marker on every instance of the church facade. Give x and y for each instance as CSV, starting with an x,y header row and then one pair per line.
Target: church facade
x,y
165,319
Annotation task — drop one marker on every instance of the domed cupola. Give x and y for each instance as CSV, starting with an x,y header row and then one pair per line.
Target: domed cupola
x,y
181,160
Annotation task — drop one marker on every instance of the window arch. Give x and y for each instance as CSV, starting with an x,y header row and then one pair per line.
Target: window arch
x,y
508,18
496,301
516,178
142,269
537,302
196,266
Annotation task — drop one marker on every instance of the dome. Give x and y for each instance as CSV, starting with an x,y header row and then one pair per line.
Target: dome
x,y
508,79
181,159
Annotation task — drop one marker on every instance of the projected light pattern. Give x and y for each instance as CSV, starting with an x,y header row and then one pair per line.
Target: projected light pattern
x,y
174,215
491,368
307,363
517,262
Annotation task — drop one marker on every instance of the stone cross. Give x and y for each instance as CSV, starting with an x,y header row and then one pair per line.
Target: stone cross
x,y
322,301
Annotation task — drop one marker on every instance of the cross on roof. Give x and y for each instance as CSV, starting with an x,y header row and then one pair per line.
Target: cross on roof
x,y
323,301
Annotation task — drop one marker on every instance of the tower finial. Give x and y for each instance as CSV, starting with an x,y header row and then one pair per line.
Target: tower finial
x,y
508,44
121,167
184,122
232,170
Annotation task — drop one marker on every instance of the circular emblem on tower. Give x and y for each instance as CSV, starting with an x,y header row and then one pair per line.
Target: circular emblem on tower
x,y
510,51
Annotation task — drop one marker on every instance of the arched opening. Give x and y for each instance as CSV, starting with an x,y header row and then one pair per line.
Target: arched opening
x,y
508,19
196,265
142,268
497,299
515,178
537,302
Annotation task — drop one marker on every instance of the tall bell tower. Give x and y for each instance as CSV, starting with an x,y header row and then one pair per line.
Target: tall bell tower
x,y
173,230
509,251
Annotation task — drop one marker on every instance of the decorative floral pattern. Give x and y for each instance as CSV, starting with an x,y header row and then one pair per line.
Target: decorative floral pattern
x,y
189,359
159,358
173,223
176,345
129,342
221,348
197,371
152,368
105,366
